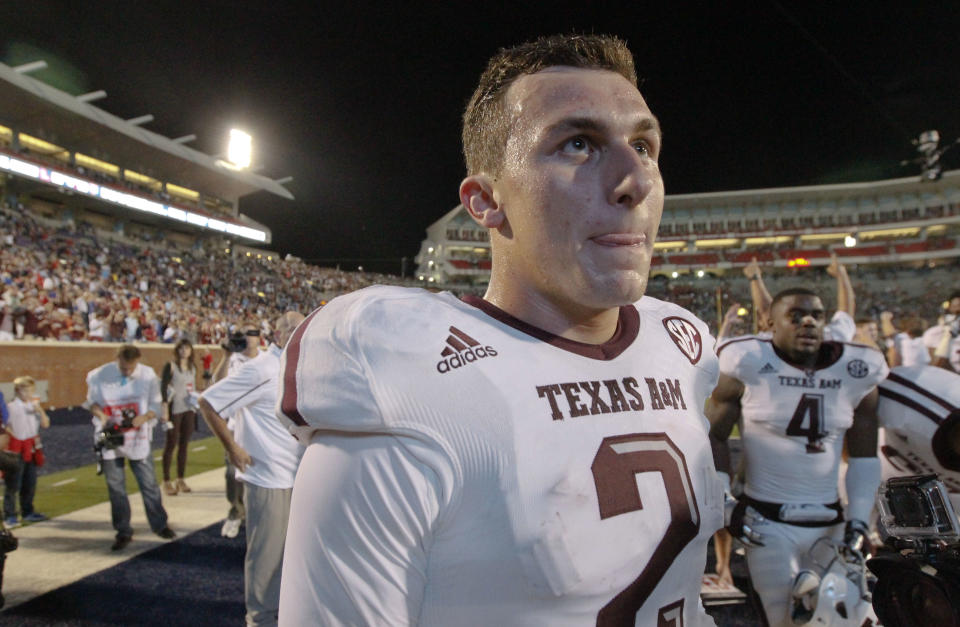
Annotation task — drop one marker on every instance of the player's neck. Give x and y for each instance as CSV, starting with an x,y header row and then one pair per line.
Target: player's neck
x,y
577,324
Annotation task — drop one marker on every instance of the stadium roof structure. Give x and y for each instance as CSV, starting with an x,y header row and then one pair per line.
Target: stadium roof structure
x,y
38,108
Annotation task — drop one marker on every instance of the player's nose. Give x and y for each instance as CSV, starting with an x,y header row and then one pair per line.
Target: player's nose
x,y
634,175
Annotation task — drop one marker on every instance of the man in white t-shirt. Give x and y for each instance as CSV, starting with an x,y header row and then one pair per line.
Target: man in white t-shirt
x,y
230,363
538,456
124,397
266,457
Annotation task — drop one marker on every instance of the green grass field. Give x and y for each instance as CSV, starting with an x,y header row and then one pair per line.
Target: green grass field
x,y
70,490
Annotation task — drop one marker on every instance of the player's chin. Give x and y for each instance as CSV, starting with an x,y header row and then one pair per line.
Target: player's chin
x,y
620,288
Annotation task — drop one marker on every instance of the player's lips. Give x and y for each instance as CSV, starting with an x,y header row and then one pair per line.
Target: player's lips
x,y
620,239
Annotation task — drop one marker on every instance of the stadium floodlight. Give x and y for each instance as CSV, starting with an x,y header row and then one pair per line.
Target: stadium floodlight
x,y
699,274
239,149
92,95
143,119
674,274
184,139
33,66
849,241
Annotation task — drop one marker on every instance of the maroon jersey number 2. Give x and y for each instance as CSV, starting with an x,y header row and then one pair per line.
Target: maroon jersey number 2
x,y
618,461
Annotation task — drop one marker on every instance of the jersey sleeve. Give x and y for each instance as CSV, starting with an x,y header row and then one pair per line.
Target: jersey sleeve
x,y
841,328
327,383
357,540
229,394
877,372
731,356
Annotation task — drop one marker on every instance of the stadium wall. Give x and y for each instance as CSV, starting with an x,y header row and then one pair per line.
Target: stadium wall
x,y
61,367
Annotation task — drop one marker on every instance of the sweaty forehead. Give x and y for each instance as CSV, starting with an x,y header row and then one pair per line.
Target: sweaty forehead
x,y
800,302
558,91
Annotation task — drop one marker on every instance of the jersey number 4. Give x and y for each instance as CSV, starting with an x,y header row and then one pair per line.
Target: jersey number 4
x,y
615,467
809,411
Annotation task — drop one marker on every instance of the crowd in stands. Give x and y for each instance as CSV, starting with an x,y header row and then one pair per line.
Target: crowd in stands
x,y
71,282
905,292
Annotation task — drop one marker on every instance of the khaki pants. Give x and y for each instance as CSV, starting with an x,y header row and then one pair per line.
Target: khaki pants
x,y
268,510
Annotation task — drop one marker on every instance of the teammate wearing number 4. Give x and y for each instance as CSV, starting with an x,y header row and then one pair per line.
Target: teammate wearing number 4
x,y
797,396
538,456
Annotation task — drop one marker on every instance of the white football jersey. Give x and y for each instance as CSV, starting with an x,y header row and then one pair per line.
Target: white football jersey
x,y
931,339
918,406
794,419
524,479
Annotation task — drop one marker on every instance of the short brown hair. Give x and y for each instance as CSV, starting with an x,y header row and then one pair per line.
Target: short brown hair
x,y
486,127
128,353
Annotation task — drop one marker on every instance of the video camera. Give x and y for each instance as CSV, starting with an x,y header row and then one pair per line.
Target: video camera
x,y
918,583
112,435
237,342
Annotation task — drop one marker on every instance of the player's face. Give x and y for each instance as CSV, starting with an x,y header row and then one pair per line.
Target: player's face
x,y
870,330
798,325
126,367
954,307
580,188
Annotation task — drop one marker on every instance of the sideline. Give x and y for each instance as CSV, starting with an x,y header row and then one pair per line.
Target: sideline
x,y
67,548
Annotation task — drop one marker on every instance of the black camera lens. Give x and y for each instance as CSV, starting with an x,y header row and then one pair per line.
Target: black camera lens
x,y
908,507
910,598
253,332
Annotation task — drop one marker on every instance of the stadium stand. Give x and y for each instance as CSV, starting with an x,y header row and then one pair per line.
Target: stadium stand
x,y
73,282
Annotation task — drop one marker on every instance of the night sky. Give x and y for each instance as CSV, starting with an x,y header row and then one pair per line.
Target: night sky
x,y
361,102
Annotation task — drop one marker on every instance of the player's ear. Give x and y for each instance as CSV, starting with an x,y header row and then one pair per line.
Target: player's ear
x,y
476,194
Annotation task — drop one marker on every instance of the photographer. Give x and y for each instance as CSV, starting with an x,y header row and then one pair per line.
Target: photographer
x,y
241,347
124,397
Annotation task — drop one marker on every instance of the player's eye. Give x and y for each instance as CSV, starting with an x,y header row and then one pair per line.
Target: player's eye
x,y
577,145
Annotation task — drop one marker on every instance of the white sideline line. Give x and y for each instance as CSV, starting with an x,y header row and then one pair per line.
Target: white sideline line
x,y
64,482
199,448
158,458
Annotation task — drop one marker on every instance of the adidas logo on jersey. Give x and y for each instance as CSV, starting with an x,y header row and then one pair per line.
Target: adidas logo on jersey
x,y
461,349
768,369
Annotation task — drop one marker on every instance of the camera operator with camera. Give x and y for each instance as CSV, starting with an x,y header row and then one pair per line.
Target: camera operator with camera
x,y
124,397
242,346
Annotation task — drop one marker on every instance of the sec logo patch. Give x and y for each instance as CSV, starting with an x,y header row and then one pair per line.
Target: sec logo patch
x,y
686,336
858,368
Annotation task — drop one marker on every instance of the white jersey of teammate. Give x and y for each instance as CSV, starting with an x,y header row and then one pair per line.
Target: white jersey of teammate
x,y
794,419
918,407
518,479
931,339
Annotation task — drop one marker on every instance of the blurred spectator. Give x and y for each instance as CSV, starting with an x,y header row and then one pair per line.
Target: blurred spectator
x,y
27,417
177,384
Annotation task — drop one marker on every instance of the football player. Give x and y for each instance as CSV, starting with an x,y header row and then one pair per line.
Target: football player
x,y
841,327
919,411
538,456
796,397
